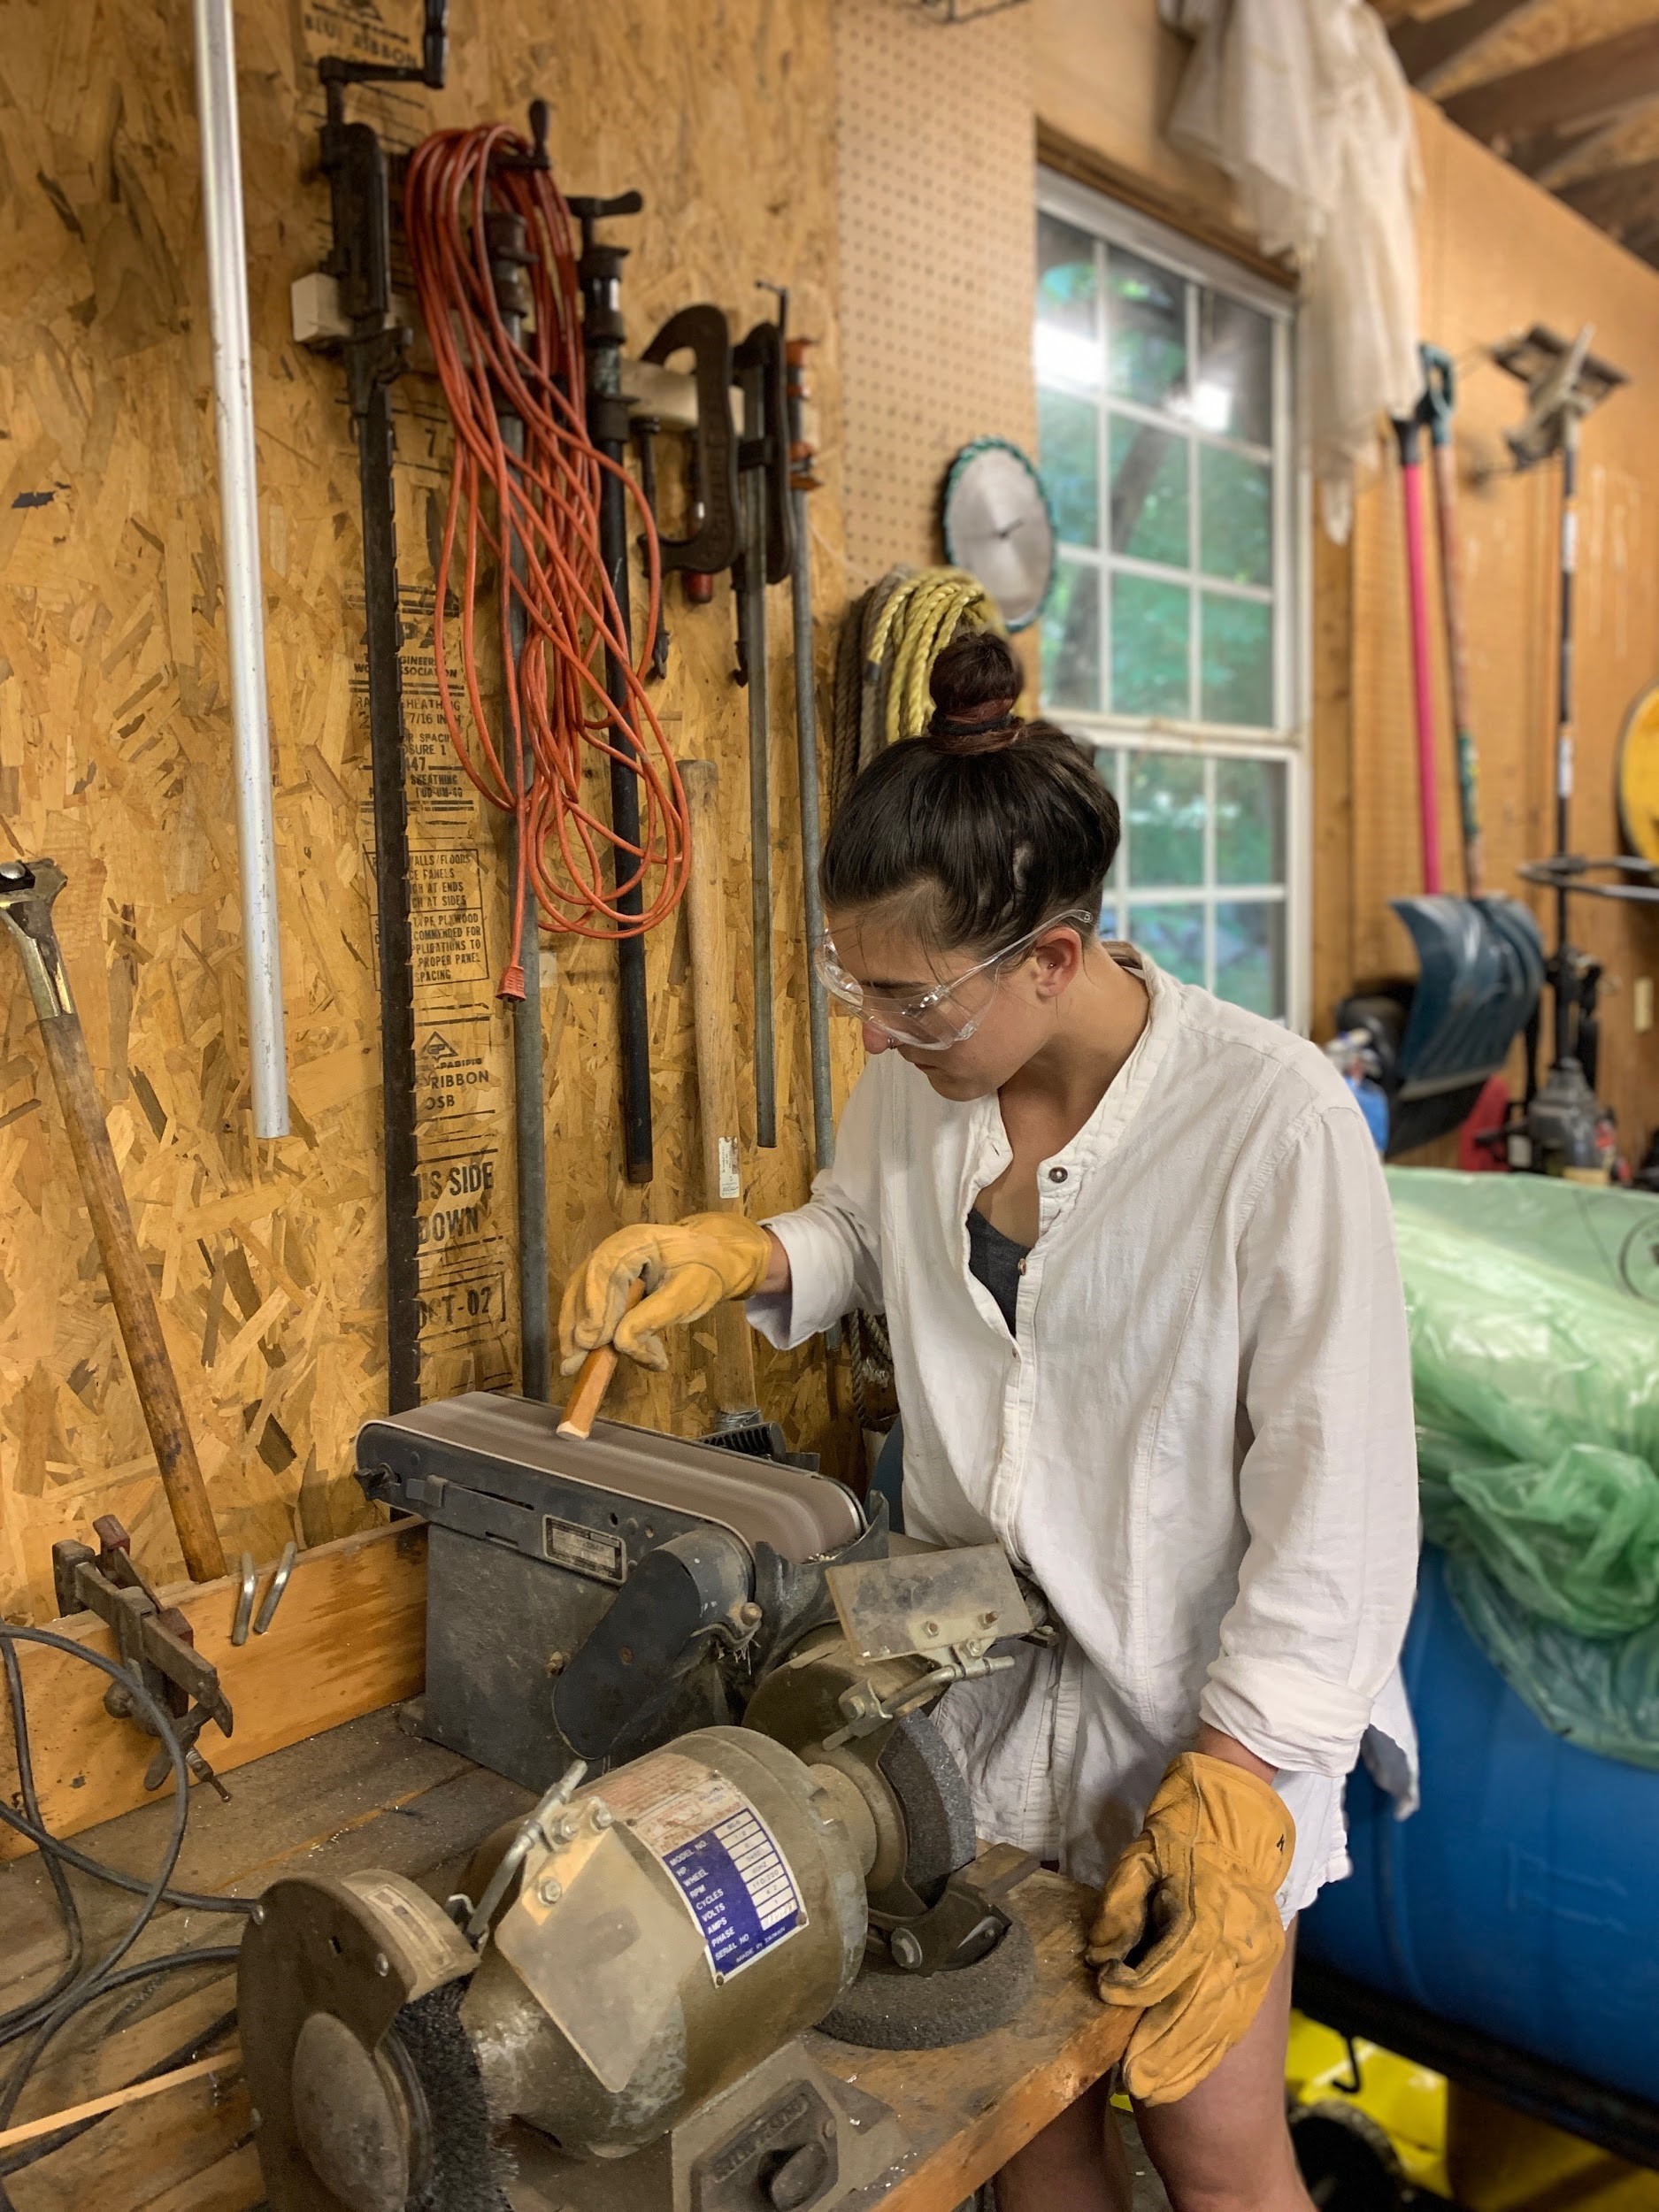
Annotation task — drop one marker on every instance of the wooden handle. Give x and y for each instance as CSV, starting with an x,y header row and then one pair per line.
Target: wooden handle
x,y
593,1379
134,1300
734,1390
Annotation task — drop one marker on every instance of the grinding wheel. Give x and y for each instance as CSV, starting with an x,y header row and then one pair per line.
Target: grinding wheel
x,y
887,2010
917,1766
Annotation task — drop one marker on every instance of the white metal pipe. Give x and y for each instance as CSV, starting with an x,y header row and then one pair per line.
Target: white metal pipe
x,y
244,596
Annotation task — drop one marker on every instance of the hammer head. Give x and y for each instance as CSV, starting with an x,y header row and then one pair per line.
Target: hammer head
x,y
23,882
27,889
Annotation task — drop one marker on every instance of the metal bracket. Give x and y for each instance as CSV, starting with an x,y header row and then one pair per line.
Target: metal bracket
x,y
155,1643
762,372
701,330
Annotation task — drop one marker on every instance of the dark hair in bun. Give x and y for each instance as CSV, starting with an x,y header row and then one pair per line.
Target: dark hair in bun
x,y
990,824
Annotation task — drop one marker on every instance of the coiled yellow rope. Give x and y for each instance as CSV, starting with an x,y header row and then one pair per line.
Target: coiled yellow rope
x,y
919,619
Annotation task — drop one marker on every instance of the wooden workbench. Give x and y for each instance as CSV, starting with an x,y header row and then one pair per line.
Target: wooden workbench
x,y
366,1794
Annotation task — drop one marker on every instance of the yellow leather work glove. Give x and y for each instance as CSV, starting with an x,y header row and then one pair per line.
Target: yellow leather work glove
x,y
686,1268
1187,1930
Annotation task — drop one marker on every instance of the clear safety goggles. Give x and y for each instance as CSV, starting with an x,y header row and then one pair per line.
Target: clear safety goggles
x,y
938,1019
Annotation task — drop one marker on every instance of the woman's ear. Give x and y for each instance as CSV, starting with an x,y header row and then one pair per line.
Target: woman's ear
x,y
1059,962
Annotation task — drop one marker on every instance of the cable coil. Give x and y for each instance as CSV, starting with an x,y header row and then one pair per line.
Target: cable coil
x,y
77,1986
537,516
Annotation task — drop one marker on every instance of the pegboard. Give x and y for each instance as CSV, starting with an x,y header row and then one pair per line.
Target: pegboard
x,y
935,205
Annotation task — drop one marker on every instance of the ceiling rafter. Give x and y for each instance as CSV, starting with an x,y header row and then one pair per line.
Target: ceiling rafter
x,y
1624,201
1587,84
1579,121
1430,51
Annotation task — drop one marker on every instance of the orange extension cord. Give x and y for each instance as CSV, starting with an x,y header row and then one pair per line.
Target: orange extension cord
x,y
573,858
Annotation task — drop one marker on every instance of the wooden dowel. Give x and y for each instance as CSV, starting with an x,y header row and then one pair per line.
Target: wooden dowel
x,y
593,1379
734,1390
30,2131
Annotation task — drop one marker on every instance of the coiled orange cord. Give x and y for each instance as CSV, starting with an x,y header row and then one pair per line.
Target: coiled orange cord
x,y
569,856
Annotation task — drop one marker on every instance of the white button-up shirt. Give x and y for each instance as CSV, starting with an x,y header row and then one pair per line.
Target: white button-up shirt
x,y
1199,1439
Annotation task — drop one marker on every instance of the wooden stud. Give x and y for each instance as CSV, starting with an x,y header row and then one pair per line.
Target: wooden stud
x,y
1578,87
710,940
1430,50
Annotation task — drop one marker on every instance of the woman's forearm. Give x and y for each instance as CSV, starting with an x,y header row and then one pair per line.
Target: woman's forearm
x,y
776,1280
1214,1745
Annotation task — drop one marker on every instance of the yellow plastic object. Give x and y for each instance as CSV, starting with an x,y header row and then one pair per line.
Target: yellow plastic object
x,y
1636,777
1499,2161
1408,2101
1482,2155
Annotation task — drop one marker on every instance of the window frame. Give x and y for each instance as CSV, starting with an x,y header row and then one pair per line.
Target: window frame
x,y
1114,223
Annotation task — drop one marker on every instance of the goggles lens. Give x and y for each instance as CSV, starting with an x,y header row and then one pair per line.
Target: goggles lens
x,y
935,1020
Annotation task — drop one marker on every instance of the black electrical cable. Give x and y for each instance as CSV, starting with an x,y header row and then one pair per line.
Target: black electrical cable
x,y
77,1986
53,1847
59,1880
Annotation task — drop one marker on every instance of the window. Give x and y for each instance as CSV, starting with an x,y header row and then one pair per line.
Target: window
x,y
1172,640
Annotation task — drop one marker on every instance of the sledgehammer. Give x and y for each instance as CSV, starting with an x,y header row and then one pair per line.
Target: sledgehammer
x,y
27,891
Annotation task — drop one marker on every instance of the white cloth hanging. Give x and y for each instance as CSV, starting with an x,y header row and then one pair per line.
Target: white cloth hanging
x,y
1304,105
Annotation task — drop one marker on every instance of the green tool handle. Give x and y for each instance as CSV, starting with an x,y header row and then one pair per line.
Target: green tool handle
x,y
1439,393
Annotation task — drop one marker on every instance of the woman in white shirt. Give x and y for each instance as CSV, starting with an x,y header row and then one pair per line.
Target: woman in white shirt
x,y
1137,1264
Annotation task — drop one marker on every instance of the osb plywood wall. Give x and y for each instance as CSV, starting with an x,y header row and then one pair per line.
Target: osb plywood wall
x,y
114,743
934,192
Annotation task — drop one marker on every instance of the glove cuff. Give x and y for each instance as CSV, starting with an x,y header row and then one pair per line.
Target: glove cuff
x,y
743,1246
1244,1816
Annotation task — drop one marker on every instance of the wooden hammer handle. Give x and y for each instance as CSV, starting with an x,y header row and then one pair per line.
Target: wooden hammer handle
x,y
134,1299
593,1379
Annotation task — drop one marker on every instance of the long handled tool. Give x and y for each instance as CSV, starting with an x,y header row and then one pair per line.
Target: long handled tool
x,y
28,889
1563,1128
375,351
1440,396
1408,430
600,273
803,481
1439,1039
767,555
509,238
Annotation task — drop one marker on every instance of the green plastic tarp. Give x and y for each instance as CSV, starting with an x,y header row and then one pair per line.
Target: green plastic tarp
x,y
1533,1306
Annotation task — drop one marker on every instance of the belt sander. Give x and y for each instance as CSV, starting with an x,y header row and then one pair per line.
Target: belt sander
x,y
715,1671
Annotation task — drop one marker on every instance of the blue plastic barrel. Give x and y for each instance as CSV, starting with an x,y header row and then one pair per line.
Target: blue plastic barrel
x,y
1523,1899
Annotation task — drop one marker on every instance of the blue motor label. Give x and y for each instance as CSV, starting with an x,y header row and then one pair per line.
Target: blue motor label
x,y
741,1893
719,1852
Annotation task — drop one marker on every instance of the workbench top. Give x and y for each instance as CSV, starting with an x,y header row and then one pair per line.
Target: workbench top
x,y
367,1795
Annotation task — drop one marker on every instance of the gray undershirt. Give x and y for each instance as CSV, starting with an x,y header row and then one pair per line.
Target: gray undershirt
x,y
995,1261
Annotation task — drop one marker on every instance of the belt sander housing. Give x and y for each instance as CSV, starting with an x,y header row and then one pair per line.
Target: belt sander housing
x,y
590,1598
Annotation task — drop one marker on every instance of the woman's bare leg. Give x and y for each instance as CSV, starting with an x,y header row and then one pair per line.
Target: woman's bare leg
x,y
1077,2164
1224,2148
1225,2145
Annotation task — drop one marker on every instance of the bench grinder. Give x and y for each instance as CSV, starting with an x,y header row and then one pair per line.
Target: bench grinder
x,y
717,1678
